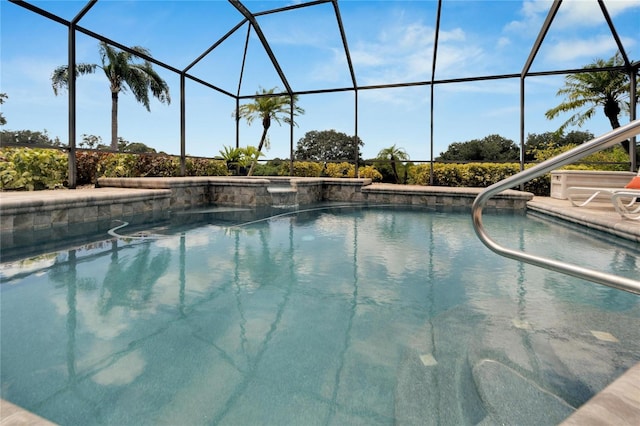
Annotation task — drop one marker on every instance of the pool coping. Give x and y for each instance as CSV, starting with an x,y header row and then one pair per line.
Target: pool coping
x,y
13,415
600,216
116,198
617,403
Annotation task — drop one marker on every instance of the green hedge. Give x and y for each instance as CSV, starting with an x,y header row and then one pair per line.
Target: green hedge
x,y
32,169
145,165
340,170
474,175
370,172
333,170
301,169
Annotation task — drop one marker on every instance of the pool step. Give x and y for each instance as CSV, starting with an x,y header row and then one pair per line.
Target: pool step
x,y
511,398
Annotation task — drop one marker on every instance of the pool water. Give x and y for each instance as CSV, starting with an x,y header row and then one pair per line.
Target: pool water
x,y
328,316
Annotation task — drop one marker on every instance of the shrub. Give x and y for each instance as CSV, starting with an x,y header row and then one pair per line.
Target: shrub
x,y
270,168
118,165
203,167
145,165
484,174
445,175
614,158
370,172
32,168
301,169
475,175
156,166
87,163
340,170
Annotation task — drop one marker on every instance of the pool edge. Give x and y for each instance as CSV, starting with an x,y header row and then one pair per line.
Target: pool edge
x,y
618,403
13,415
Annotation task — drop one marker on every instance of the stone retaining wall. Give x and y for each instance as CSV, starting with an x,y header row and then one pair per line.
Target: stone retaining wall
x,y
116,198
259,192
442,196
63,208
185,192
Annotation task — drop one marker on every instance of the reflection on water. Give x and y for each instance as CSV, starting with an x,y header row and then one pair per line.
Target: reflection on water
x,y
331,316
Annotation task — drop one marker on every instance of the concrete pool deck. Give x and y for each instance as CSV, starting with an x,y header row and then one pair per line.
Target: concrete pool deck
x,y
617,404
597,215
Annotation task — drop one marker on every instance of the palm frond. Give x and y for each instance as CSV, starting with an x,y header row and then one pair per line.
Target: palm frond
x,y
586,91
60,76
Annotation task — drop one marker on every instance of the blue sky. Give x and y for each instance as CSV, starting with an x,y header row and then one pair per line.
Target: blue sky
x,y
390,42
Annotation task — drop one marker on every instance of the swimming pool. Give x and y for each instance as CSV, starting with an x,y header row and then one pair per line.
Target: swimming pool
x,y
329,315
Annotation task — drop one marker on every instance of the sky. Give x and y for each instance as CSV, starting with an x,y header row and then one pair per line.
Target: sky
x,y
390,42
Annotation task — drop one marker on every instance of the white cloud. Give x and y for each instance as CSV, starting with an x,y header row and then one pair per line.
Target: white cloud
x,y
457,34
400,53
361,57
533,14
571,14
580,13
456,61
331,70
503,42
588,48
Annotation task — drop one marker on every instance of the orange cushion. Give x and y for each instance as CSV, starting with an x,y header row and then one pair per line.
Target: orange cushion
x,y
634,184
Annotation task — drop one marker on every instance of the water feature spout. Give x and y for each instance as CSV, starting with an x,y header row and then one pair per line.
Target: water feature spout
x,y
283,194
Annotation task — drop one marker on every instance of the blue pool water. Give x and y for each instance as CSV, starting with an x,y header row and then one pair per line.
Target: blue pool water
x,y
330,316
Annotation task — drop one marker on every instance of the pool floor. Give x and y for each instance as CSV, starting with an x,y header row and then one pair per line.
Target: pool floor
x,y
356,317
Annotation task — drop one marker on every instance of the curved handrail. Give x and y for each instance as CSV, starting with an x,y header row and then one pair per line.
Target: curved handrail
x,y
608,139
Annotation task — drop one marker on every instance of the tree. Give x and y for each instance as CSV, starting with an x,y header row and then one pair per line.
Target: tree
x,y
267,106
135,147
122,72
250,155
328,145
490,148
3,97
609,89
553,140
392,155
91,141
26,137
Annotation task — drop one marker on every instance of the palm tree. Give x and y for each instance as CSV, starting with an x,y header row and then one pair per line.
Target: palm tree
x,y
267,107
122,71
239,158
393,154
232,157
609,89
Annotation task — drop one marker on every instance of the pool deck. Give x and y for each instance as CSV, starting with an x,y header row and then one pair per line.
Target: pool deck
x,y
617,404
596,215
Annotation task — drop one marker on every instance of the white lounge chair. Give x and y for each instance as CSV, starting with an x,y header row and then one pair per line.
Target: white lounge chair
x,y
626,200
627,203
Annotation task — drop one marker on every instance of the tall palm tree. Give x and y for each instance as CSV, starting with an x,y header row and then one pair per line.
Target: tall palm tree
x,y
122,72
393,154
609,89
267,107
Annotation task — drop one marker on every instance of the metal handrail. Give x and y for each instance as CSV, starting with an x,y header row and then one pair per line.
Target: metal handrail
x,y
601,142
